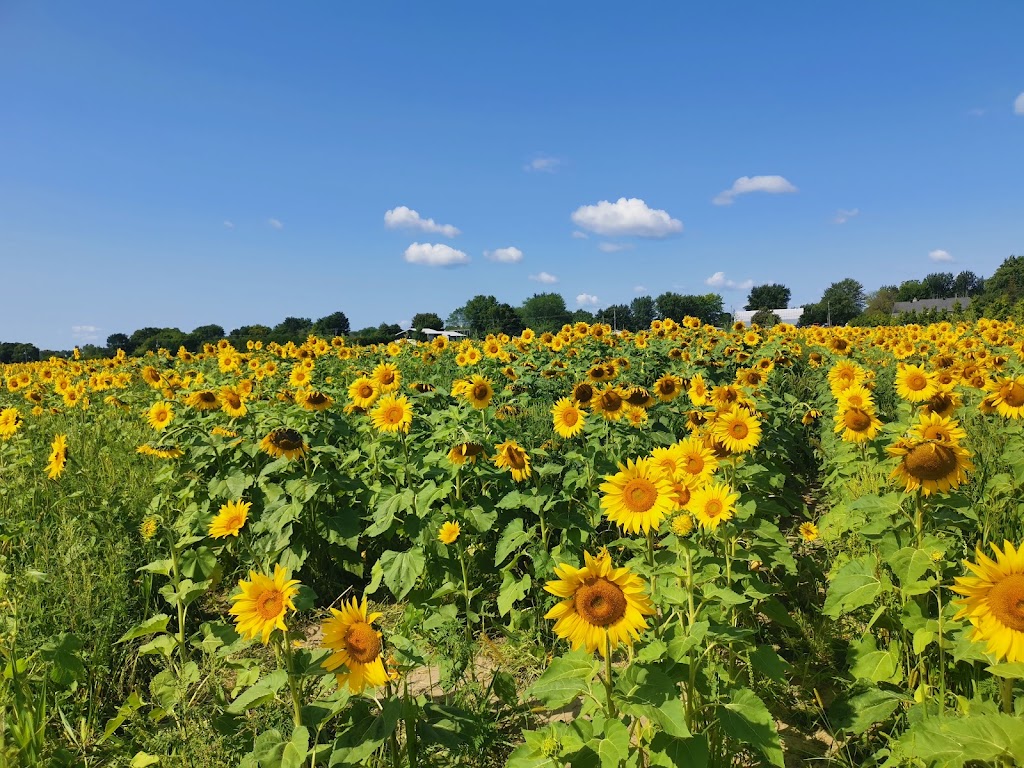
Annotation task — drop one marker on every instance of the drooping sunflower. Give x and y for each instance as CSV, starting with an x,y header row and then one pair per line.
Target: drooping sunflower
x,y
387,377
203,400
568,419
160,451
931,465
602,606
230,519
583,393
914,384
511,456
392,414
696,460
857,425
463,452
638,497
160,415
284,442
58,457
260,607
713,504
668,387
363,392
478,391
356,645
737,429
314,400
148,527
993,601
449,532
1007,396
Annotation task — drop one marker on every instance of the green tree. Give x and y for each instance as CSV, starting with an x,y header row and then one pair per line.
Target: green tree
x,y
1003,290
618,316
204,334
334,324
967,284
292,329
766,318
881,301
116,341
423,320
911,290
644,312
938,285
841,301
545,312
769,296
708,307
250,332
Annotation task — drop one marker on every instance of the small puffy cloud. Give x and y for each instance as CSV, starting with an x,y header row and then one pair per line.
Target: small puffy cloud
x,y
1018,105
406,218
773,185
614,247
940,255
626,217
434,255
843,215
228,224
544,277
719,280
639,288
587,300
85,332
276,223
543,163
579,235
510,255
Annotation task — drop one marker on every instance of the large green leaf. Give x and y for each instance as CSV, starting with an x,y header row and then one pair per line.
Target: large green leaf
x,y
747,719
953,742
856,584
564,679
858,713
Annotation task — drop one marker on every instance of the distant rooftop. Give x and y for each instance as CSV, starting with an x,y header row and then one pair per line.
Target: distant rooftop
x,y
791,315
920,305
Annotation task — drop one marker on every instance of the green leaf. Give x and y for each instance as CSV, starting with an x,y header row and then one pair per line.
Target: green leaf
x,y
384,514
564,679
400,571
1007,669
856,584
296,750
767,662
143,759
150,626
512,538
61,652
858,713
161,644
260,693
613,745
869,663
268,748
512,591
364,733
667,752
748,720
949,741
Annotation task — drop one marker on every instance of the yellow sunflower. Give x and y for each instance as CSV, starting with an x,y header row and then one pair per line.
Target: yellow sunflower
x,y
392,414
58,457
857,425
993,601
669,460
232,403
478,391
914,384
314,400
930,465
160,415
932,426
568,419
464,452
583,393
230,519
10,421
610,403
356,645
284,442
698,391
668,387
638,497
713,504
737,429
449,533
160,451
387,377
697,461
260,607
602,606
809,531
363,392
1007,396
511,456
203,400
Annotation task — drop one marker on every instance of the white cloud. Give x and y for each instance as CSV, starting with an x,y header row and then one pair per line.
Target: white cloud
x,y
773,185
544,277
626,217
407,218
228,224
586,299
1018,105
509,255
719,280
85,332
543,163
639,288
614,247
843,215
434,255
580,235
940,255
275,223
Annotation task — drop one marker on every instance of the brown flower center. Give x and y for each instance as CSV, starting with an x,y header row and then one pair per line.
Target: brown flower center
x,y
584,393
667,387
916,382
930,461
639,494
610,401
695,465
270,604
393,414
599,602
857,420
515,458
1006,601
713,508
286,439
362,643
365,390
387,377
738,430
481,391
1012,394
316,398
681,493
570,417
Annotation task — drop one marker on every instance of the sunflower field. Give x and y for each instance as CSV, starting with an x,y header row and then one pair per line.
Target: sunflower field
x,y
686,546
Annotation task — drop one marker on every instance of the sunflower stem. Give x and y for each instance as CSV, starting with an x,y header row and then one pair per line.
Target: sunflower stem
x,y
1007,695
919,519
469,628
293,682
650,559
612,712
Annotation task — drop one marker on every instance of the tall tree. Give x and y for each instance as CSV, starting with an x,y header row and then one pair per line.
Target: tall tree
x,y
292,329
880,302
843,301
967,284
769,296
707,307
116,341
427,320
643,311
938,285
911,290
1005,288
334,324
618,316
545,312
485,314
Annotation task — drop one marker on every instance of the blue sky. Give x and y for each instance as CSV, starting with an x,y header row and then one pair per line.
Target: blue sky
x,y
178,164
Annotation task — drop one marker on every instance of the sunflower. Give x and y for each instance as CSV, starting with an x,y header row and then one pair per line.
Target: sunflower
x,y
809,531
682,524
737,429
668,387
609,402
363,392
478,391
669,460
10,421
160,415
930,465
914,384
1007,396
464,452
160,451
449,533
993,601
713,504
356,645
698,391
203,400
260,607
583,393
932,426
314,400
568,419
147,529
602,606
637,417
387,377
232,403
392,414
856,396
58,457
284,442
638,497
857,425
696,460
230,519
510,455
